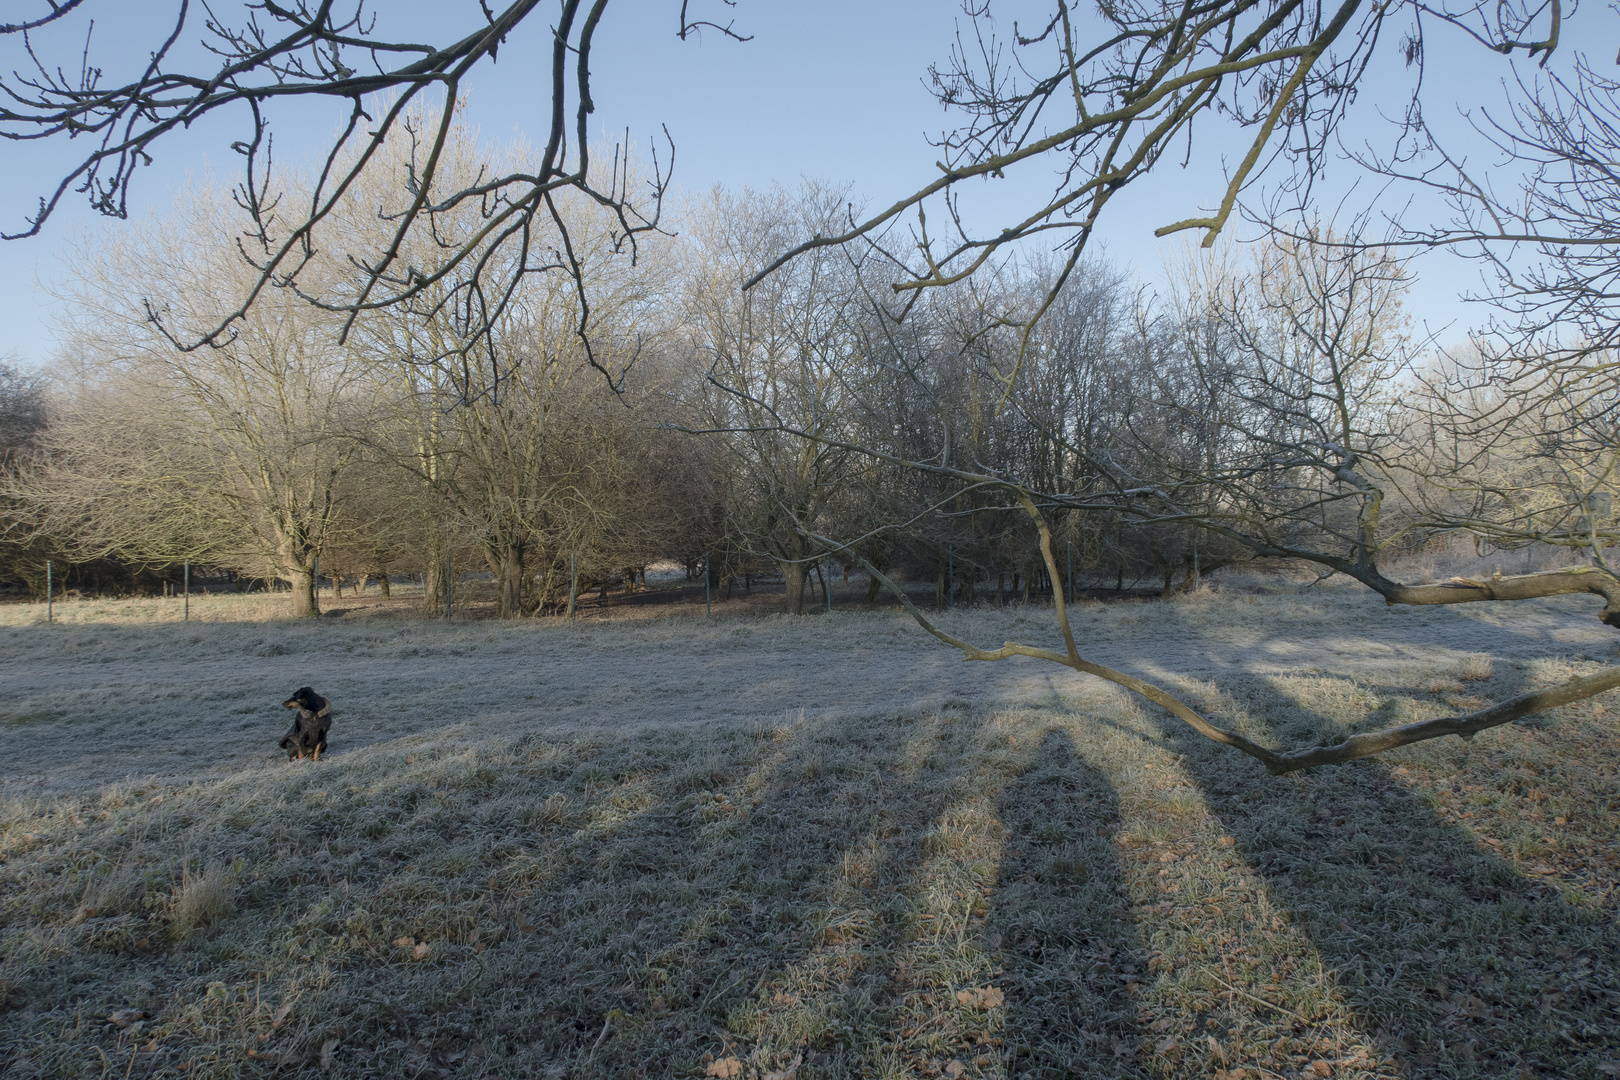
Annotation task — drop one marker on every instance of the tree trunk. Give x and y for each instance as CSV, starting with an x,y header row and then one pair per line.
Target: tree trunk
x,y
302,581
508,563
939,590
382,580
1195,574
872,587
794,573
435,584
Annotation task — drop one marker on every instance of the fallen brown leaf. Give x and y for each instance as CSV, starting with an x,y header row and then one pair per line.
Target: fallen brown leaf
x,y
788,1072
725,1068
987,997
125,1017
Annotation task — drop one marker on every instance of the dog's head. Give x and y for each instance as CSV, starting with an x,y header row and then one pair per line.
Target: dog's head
x,y
305,698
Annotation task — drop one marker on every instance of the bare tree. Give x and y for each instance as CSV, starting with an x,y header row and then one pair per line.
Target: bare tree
x,y
234,453
1314,459
1523,421
787,353
500,436
24,408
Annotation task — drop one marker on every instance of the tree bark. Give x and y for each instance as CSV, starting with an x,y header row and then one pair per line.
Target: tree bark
x,y
435,584
965,593
507,561
1570,579
302,581
794,573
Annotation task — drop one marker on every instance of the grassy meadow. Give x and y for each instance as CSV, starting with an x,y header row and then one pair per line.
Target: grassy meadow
x,y
762,848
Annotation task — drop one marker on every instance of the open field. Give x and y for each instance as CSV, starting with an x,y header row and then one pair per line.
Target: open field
x,y
659,845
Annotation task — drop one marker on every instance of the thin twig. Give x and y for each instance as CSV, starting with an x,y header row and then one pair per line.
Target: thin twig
x,y
1256,1000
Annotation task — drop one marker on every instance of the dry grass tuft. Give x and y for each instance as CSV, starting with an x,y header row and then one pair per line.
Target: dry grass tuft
x,y
1476,668
110,891
200,900
549,812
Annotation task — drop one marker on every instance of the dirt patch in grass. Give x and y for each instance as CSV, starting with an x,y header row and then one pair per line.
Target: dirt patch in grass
x,y
1061,884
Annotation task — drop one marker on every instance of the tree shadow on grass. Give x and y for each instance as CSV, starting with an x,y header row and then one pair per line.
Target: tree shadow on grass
x,y
1074,957
819,895
1414,877
834,900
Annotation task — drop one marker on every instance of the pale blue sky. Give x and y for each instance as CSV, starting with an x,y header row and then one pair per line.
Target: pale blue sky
x,y
832,89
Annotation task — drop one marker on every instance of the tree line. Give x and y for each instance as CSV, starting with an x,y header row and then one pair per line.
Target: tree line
x,y
1271,401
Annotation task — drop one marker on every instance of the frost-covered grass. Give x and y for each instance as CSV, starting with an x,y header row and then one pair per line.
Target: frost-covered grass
x,y
205,608
670,846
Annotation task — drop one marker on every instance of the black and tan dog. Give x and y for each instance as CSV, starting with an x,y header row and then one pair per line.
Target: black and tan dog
x,y
308,732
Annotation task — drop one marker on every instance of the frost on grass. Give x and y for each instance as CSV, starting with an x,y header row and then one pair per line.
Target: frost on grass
x,y
1043,879
200,900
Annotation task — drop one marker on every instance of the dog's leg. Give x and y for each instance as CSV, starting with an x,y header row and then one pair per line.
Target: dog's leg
x,y
317,751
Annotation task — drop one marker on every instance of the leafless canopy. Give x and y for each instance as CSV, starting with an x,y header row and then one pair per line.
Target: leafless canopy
x,y
1098,100
209,58
1549,236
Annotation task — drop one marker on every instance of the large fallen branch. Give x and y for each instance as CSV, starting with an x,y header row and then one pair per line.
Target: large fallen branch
x,y
1563,581
1276,762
